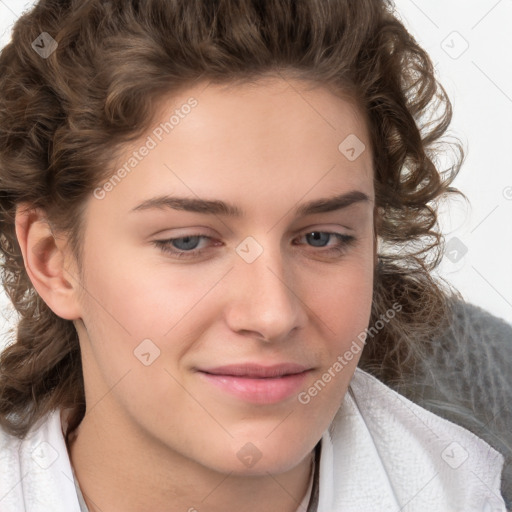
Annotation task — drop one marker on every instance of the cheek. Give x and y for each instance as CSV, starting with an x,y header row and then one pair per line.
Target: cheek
x,y
126,305
140,299
343,298
351,300
344,309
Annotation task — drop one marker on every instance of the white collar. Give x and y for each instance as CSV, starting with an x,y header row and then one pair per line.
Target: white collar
x,y
383,452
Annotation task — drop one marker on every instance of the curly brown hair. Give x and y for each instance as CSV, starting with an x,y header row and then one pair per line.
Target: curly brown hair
x,y
64,117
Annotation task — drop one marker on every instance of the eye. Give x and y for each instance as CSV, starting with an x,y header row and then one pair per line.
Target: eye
x,y
186,245
320,239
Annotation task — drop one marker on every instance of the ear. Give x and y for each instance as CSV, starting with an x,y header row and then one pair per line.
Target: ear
x,y
46,261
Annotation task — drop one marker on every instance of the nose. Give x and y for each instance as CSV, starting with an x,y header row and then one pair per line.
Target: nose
x,y
265,298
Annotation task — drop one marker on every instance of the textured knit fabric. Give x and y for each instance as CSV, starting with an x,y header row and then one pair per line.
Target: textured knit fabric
x,y
468,380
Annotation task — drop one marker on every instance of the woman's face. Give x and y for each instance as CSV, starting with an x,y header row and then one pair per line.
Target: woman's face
x,y
209,346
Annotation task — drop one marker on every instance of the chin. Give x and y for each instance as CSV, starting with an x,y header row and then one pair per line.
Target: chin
x,y
262,456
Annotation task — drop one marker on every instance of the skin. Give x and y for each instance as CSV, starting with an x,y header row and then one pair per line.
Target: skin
x,y
159,437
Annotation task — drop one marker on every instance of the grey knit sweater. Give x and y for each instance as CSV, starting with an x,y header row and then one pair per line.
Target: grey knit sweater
x,y
468,380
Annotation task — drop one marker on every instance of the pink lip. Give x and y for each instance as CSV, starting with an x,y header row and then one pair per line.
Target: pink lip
x,y
258,384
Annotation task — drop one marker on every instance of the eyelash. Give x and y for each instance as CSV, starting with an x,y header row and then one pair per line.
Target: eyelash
x,y
166,247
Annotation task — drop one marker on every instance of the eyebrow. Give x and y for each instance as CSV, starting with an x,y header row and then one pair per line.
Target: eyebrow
x,y
217,207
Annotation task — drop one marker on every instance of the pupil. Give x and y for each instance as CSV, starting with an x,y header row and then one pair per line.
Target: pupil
x,y
187,242
316,236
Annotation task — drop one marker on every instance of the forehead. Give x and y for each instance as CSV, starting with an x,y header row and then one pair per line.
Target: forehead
x,y
273,138
295,107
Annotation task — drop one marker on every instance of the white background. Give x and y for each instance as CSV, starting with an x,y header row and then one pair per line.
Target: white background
x,y
470,43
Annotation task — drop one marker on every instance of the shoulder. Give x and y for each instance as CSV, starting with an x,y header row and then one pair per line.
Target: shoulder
x,y
36,471
466,379
10,469
382,448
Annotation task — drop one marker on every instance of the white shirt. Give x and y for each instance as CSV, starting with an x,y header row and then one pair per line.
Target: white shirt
x,y
381,452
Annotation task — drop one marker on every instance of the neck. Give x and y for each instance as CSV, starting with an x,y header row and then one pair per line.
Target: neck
x,y
118,471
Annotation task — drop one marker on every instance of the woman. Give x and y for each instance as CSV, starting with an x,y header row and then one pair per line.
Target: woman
x,y
201,208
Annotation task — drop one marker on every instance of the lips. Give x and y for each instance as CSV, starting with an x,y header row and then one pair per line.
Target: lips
x,y
257,384
255,371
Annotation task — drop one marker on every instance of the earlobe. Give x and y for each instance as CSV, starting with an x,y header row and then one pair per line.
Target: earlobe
x,y
45,260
